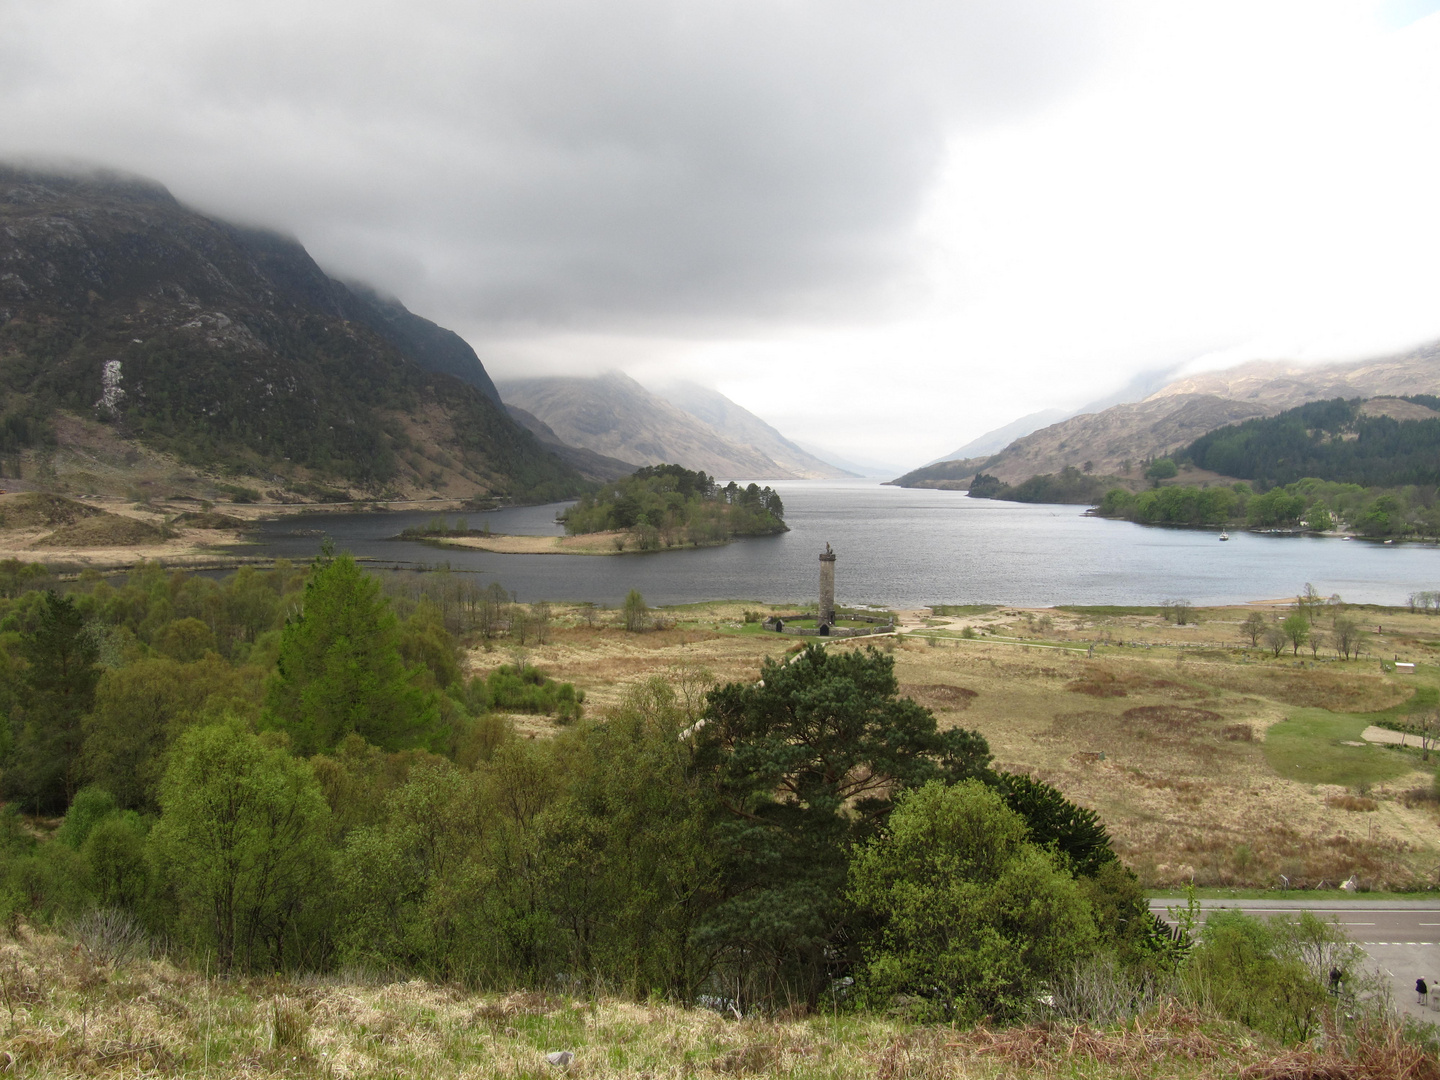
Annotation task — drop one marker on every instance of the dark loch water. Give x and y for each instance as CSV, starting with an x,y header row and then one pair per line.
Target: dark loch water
x,y
900,547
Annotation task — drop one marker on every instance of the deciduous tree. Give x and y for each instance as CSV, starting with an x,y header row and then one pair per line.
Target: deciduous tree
x,y
241,845
970,917
1296,628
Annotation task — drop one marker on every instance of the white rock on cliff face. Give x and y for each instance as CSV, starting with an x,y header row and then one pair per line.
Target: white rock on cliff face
x,y
110,391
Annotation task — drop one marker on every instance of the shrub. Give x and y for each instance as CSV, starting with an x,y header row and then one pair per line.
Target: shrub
x,y
528,690
971,917
1254,972
110,936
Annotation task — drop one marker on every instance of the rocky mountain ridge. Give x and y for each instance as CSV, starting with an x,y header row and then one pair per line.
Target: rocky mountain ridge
x,y
228,349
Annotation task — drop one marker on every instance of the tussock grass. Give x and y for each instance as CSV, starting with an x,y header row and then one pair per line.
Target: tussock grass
x,y
67,1015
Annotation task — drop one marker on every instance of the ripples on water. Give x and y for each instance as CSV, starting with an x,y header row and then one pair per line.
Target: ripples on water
x,y
903,547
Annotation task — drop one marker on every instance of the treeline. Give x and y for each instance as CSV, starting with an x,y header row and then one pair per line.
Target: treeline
x,y
668,505
97,683
1069,485
1315,621
1318,505
1332,440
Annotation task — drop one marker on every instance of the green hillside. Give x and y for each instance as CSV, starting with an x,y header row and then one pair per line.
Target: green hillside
x,y
1334,440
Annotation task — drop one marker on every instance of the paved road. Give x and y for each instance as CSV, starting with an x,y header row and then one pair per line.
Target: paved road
x,y
1401,937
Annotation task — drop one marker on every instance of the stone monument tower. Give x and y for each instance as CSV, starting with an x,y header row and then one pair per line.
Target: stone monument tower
x,y
827,586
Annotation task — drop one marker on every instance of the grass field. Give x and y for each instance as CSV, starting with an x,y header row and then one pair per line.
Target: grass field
x,y
1317,747
1209,760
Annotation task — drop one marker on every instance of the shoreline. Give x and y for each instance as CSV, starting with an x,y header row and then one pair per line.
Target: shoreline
x,y
615,542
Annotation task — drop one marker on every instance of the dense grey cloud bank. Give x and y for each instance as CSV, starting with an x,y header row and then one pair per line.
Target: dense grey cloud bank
x,y
551,164
961,212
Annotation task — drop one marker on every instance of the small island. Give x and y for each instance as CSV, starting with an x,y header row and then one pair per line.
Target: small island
x,y
666,506
655,508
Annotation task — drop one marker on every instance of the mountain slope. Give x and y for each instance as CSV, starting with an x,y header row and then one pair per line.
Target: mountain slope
x,y
992,442
432,347
1120,435
1185,409
1385,442
1280,385
614,415
229,348
743,427
588,463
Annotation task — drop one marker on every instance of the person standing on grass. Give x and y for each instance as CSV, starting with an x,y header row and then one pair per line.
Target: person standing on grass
x,y
1421,991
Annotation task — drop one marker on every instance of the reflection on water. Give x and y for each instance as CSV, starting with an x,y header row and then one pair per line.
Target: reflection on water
x,y
902,547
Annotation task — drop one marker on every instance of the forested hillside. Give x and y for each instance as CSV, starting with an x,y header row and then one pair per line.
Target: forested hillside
x,y
1337,440
230,349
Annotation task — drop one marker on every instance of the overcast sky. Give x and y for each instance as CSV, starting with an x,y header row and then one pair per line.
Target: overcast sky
x,y
885,227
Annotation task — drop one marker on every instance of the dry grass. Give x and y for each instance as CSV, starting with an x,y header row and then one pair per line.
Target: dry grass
x,y
1170,753
104,530
1352,802
67,1015
1377,1054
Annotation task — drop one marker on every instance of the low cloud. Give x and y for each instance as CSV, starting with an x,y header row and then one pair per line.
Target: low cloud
x,y
529,166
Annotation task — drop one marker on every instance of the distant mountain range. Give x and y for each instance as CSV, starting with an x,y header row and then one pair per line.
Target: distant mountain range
x,y
129,319
992,442
739,425
1116,440
613,415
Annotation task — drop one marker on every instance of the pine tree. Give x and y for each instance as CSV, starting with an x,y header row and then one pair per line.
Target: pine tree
x,y
340,669
58,689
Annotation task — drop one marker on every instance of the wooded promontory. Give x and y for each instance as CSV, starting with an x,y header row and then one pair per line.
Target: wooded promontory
x,y
668,505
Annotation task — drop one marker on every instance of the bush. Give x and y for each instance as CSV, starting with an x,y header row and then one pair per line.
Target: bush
x,y
528,690
971,917
110,936
1255,972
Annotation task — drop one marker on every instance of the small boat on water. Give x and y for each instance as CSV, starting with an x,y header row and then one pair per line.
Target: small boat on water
x,y
1224,535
